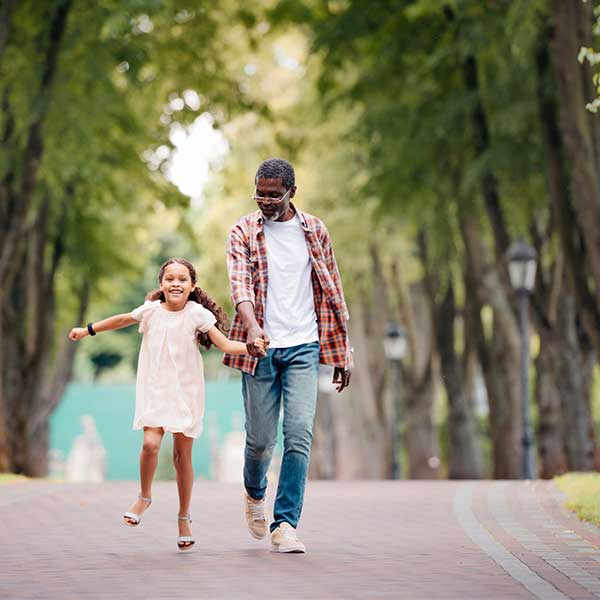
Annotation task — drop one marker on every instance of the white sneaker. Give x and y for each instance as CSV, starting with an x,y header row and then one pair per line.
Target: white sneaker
x,y
283,539
256,517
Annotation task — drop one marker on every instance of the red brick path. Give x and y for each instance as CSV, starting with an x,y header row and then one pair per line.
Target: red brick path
x,y
412,540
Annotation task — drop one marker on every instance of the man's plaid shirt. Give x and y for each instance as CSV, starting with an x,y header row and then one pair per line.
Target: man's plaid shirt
x,y
247,266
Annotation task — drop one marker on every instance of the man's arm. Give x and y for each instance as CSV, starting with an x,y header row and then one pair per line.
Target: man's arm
x,y
246,311
341,375
238,267
242,286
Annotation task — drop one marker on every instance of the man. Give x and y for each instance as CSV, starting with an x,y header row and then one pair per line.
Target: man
x,y
286,288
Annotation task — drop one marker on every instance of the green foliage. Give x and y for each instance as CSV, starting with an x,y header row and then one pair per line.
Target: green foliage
x,y
592,57
391,77
371,106
120,67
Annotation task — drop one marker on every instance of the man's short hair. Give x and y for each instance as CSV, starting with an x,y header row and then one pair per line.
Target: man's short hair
x,y
277,168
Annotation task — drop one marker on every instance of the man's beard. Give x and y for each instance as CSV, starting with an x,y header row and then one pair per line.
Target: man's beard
x,y
272,217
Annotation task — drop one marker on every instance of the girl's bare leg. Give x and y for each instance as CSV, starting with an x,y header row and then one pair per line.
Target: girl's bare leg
x,y
148,462
182,460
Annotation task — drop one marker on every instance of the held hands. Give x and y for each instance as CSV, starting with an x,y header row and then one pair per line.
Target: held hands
x,y
257,342
257,348
78,333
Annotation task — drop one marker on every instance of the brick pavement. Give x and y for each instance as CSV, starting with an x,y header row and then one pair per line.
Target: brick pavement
x,y
412,539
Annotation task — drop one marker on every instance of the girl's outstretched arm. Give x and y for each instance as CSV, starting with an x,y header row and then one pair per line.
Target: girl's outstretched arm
x,y
231,347
114,322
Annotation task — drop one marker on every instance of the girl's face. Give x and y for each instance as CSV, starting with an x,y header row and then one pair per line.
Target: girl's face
x,y
176,284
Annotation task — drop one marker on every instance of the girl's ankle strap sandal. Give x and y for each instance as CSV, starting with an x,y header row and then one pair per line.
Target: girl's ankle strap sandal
x,y
131,519
185,542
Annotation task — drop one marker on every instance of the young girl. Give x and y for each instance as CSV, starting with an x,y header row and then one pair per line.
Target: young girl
x,y
170,378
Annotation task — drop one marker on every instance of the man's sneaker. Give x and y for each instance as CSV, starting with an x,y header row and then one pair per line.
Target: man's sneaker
x,y
283,539
256,517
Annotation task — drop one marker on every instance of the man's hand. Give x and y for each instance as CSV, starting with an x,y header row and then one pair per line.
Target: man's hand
x,y
259,344
255,350
341,378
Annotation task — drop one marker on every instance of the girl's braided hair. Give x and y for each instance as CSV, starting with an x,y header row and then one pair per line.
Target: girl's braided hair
x,y
197,295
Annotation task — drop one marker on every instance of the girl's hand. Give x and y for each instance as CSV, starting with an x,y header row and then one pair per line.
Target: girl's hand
x,y
260,344
257,344
77,333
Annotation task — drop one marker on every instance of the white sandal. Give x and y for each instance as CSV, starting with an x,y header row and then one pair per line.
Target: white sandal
x,y
185,542
136,518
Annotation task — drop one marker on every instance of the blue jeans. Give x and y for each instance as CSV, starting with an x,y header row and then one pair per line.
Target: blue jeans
x,y
291,374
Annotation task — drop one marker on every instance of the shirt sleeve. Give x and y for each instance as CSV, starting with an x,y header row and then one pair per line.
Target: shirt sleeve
x,y
141,313
332,267
239,267
203,319
337,280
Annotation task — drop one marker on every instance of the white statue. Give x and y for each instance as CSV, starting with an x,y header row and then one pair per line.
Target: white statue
x,y
87,458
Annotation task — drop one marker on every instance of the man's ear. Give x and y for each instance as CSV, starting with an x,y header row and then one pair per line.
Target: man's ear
x,y
292,191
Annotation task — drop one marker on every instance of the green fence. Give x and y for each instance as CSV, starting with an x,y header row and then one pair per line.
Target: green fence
x,y
112,408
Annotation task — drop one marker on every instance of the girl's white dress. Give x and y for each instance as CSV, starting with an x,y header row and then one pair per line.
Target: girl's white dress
x,y
170,375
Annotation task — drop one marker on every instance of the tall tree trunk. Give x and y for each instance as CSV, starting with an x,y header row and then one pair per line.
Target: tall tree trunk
x,y
464,447
20,363
498,353
574,381
489,182
419,380
34,149
552,457
376,321
501,358
42,381
421,434
565,308
570,18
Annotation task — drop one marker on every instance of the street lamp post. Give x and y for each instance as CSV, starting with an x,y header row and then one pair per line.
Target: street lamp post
x,y
522,267
395,349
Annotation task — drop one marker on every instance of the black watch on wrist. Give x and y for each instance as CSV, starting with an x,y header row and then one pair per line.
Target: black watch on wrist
x,y
90,329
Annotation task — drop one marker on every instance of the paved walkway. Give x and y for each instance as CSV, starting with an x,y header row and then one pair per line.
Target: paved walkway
x,y
413,540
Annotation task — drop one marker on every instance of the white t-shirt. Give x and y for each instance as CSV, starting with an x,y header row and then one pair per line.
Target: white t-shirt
x,y
290,317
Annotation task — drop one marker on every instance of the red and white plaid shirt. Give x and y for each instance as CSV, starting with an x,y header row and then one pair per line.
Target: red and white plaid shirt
x,y
248,272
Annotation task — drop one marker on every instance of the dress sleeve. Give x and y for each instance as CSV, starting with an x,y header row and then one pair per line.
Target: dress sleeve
x,y
141,313
203,319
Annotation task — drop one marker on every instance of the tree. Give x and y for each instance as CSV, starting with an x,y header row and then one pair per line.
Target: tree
x,y
445,95
74,192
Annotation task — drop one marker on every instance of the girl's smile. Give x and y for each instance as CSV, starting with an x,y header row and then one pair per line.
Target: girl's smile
x,y
176,284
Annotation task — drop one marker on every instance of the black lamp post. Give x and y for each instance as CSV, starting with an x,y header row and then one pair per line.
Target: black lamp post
x,y
395,348
522,267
